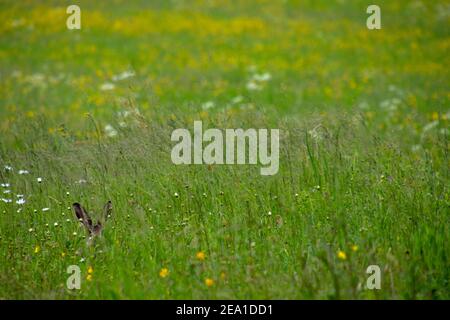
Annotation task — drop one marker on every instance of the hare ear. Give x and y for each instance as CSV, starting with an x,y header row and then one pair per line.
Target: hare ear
x,y
107,211
82,216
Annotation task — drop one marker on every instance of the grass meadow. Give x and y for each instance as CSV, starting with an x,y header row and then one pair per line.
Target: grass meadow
x,y
87,115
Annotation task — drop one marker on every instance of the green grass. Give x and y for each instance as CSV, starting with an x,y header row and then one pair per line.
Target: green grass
x,y
364,163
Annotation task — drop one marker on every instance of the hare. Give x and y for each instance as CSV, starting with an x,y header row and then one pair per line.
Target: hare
x,y
85,219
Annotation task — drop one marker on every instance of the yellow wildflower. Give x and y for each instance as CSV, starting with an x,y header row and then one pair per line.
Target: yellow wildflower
x,y
354,248
90,270
164,272
341,255
30,114
200,255
209,282
435,116
37,249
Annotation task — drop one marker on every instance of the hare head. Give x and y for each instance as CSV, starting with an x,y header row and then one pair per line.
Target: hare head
x,y
93,229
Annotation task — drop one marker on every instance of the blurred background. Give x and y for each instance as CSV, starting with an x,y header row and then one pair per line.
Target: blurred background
x,y
287,56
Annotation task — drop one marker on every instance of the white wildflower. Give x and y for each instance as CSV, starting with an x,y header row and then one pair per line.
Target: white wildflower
x,y
430,126
315,133
110,131
107,86
390,104
253,86
208,105
36,79
262,77
124,75
124,114
237,99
